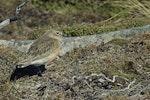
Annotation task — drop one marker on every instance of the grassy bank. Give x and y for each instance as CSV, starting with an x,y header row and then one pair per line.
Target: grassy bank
x,y
80,17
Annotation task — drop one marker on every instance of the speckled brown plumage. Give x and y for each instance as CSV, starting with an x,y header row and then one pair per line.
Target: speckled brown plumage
x,y
43,50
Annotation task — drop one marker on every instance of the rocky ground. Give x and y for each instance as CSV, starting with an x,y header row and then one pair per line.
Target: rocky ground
x,y
117,70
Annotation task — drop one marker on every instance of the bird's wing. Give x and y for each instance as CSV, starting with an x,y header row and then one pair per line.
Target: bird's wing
x,y
42,47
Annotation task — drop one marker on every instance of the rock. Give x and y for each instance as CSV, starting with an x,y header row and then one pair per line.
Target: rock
x,y
69,43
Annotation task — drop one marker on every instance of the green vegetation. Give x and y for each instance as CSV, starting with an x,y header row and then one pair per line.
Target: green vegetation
x,y
76,17
118,42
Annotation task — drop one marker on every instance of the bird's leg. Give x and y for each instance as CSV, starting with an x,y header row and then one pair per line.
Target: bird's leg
x,y
57,57
46,65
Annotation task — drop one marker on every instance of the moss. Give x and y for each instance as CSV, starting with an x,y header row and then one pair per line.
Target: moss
x,y
100,27
120,42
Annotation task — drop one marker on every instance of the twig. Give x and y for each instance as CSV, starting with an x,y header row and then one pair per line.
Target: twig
x,y
8,21
130,84
105,79
98,75
73,79
88,84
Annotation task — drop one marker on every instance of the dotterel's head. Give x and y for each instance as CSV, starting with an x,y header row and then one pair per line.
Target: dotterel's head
x,y
54,34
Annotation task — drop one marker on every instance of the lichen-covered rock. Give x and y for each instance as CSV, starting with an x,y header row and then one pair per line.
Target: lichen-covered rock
x,y
69,43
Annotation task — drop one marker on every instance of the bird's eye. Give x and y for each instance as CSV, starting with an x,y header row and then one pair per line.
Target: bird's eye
x,y
57,33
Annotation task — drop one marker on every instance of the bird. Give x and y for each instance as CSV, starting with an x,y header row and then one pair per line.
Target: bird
x,y
44,50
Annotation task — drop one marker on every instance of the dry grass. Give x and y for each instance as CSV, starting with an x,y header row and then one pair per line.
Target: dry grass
x,y
120,58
